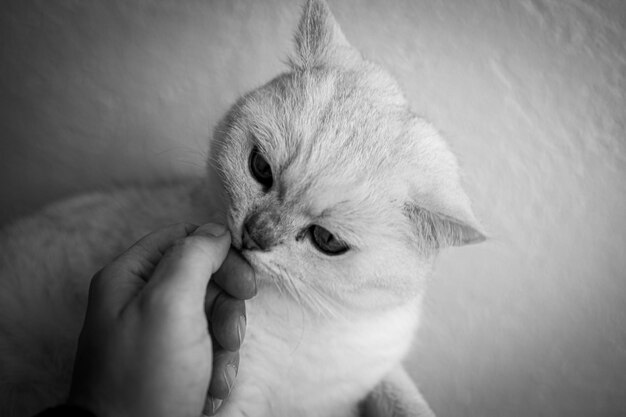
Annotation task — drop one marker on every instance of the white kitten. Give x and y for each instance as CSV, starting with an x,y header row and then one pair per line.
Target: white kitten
x,y
335,192
339,197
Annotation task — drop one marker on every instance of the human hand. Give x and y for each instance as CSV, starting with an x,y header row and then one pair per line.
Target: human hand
x,y
145,348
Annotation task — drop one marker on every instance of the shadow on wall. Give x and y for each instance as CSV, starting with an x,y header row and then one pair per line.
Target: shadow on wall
x,y
531,95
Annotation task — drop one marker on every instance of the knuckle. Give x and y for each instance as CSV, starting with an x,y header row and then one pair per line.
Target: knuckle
x,y
188,243
99,280
185,226
183,247
144,249
95,284
181,228
179,243
198,245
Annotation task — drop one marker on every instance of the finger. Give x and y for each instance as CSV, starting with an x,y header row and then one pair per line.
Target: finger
x,y
212,294
225,368
185,269
212,291
211,405
141,258
228,321
236,277
122,279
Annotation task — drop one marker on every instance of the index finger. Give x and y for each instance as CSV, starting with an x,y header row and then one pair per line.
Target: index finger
x,y
187,267
123,278
141,258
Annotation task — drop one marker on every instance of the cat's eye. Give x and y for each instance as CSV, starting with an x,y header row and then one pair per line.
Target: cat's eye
x,y
326,242
260,169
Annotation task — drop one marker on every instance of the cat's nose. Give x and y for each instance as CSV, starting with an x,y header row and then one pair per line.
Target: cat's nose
x,y
260,232
247,242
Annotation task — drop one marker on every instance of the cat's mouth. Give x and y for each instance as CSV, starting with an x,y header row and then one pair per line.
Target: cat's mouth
x,y
240,238
243,247
237,243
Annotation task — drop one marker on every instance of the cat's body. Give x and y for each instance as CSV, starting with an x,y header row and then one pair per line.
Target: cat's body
x,y
336,194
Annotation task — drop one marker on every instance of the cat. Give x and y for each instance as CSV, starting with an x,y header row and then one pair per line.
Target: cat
x,y
336,193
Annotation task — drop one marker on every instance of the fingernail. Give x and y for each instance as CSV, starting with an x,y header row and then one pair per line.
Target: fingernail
x,y
215,404
241,328
256,288
230,373
212,229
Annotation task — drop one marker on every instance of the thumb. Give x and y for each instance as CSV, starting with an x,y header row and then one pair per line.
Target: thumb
x,y
186,268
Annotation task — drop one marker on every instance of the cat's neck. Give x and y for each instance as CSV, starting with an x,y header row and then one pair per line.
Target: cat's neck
x,y
334,360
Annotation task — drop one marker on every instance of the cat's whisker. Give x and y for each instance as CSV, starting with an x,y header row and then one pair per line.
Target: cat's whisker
x,y
278,281
309,296
286,281
279,287
324,304
291,286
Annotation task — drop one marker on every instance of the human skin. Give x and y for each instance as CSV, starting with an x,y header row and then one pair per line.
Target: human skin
x,y
163,326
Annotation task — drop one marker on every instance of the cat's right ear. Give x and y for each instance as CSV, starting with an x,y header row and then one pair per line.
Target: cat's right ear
x,y
319,40
437,231
438,209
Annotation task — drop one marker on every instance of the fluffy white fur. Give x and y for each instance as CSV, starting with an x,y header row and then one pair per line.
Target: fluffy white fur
x,y
347,154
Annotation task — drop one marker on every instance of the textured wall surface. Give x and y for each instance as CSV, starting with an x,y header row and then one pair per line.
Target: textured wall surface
x,y
531,94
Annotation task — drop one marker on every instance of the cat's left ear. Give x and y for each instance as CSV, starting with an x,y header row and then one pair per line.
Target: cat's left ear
x,y
320,41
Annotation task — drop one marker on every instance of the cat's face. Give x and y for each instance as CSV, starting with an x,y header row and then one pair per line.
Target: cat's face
x,y
338,194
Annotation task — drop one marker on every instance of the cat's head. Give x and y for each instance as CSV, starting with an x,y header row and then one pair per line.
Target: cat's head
x,y
337,192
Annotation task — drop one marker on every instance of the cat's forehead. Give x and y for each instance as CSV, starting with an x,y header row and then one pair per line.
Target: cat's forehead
x,y
335,139
332,123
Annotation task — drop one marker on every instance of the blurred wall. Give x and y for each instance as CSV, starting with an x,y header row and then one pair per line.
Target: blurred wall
x,y
531,94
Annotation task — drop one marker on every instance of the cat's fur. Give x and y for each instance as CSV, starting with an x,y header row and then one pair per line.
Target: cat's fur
x,y
347,154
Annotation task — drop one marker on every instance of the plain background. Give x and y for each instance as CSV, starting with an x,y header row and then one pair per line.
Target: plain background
x,y
531,95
